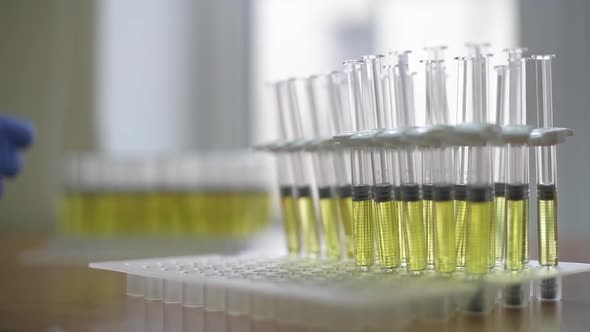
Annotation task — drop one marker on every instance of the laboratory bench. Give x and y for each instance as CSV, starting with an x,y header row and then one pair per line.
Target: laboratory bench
x,y
66,297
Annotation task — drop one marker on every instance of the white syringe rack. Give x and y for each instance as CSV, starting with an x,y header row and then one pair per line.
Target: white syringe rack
x,y
429,137
215,292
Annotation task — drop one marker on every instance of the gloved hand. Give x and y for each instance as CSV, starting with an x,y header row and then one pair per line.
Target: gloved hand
x,y
15,135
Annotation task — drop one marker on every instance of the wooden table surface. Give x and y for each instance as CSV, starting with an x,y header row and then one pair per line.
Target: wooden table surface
x,y
76,298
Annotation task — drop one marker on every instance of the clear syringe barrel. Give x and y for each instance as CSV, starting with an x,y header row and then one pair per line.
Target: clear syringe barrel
x,y
382,172
341,122
547,216
546,157
501,115
361,158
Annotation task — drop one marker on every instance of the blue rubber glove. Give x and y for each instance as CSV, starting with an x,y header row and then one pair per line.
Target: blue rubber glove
x,y
15,135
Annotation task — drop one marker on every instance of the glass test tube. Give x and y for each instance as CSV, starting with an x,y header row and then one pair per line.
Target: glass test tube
x,y
342,123
546,166
322,123
412,209
500,167
383,195
286,180
362,177
306,211
480,223
441,168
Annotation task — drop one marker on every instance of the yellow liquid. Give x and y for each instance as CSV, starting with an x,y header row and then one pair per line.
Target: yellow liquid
x,y
500,238
290,224
363,233
444,242
346,216
429,227
460,231
492,239
402,242
479,231
517,220
164,212
330,222
309,225
70,214
547,214
415,235
387,235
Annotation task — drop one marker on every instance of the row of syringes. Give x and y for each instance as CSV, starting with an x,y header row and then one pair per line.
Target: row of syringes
x,y
436,197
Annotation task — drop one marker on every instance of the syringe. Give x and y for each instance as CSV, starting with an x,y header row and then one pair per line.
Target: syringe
x,y
412,209
286,177
441,168
362,177
320,106
517,183
549,289
385,214
479,176
343,123
500,167
306,210
436,114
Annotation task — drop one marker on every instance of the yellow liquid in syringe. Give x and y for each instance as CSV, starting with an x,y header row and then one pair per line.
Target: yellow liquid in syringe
x,y
308,222
346,216
363,221
290,224
330,221
547,225
387,227
415,232
460,205
444,231
479,231
500,206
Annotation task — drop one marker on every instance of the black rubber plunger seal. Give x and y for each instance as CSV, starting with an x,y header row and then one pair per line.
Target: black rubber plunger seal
x,y
383,192
410,192
442,192
344,191
514,295
325,192
286,191
480,193
361,193
548,289
304,191
397,193
427,192
546,192
499,189
517,192
460,192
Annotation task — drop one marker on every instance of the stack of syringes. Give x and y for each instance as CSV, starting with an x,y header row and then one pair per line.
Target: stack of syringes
x,y
402,195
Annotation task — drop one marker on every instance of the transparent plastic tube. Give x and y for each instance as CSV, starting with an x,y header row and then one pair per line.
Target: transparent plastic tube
x,y
342,162
321,121
500,166
480,217
286,179
362,177
412,216
517,166
439,163
302,168
383,190
546,168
